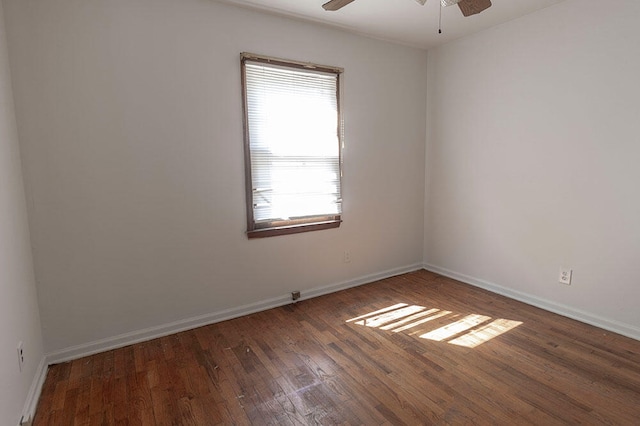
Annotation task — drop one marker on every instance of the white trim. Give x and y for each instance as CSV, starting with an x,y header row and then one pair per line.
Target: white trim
x,y
558,308
138,336
320,291
29,410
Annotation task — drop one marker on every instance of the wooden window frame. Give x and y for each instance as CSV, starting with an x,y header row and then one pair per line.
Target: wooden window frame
x,y
278,227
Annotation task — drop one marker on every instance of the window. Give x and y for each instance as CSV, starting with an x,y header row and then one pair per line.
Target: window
x,y
292,146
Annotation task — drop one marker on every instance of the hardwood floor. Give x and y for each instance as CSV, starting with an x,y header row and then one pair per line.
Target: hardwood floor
x,y
436,352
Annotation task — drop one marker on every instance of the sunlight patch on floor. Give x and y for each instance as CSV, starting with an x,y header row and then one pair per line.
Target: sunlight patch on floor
x,y
390,308
450,330
396,324
388,317
485,333
469,331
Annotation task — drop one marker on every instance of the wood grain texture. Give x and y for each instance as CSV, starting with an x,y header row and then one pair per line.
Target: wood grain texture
x,y
439,352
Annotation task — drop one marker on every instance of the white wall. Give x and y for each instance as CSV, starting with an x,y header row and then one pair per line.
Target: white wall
x,y
19,320
533,159
129,113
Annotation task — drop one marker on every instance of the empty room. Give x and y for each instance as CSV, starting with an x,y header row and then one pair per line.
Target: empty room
x,y
325,212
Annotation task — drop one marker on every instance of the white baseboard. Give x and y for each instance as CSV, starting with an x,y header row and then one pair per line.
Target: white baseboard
x,y
138,336
35,390
126,339
319,291
567,311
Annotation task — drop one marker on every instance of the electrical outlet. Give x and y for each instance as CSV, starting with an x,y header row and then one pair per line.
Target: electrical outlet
x,y
565,276
20,356
346,257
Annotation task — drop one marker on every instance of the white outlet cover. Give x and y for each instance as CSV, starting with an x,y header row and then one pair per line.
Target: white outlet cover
x,y
565,276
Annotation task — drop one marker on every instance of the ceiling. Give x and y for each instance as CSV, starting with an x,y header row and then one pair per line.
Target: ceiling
x,y
400,21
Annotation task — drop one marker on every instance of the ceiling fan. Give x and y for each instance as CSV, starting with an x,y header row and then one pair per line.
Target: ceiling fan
x,y
468,7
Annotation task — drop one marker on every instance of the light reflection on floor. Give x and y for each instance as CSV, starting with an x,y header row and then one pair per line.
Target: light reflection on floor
x,y
469,331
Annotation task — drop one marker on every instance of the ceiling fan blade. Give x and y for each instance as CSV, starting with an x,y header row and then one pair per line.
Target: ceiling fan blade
x,y
471,7
335,4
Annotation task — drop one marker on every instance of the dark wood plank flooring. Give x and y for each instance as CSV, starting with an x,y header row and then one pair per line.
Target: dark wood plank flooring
x,y
414,349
